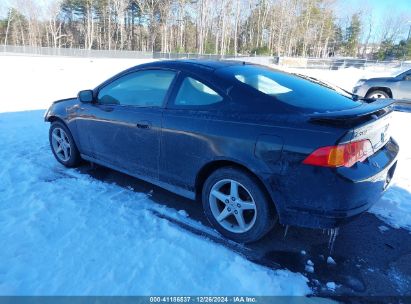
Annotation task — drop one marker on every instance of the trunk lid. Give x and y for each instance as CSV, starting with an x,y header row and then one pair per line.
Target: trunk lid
x,y
369,121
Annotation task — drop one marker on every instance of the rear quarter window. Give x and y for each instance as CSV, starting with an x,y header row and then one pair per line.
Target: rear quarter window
x,y
289,89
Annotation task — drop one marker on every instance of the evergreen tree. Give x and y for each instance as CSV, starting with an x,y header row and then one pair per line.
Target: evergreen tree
x,y
353,36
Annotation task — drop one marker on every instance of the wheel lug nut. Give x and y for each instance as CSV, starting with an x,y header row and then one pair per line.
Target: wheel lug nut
x,y
238,205
229,209
233,198
227,201
235,211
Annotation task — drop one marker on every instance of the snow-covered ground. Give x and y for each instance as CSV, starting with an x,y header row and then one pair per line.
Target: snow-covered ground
x,y
395,206
63,232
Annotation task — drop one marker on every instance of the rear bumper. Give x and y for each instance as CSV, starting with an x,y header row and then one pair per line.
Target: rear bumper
x,y
317,197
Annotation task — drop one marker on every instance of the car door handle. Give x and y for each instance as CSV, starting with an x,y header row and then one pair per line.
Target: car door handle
x,y
143,125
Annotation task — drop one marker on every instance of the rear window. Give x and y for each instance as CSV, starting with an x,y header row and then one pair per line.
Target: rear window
x,y
290,89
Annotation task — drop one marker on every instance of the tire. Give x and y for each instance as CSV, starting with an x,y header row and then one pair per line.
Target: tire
x,y
377,94
224,208
63,146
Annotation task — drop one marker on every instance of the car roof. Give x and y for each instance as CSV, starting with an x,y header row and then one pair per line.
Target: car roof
x,y
199,67
195,65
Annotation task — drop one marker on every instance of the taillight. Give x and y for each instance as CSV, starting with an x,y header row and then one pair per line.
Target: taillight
x,y
341,155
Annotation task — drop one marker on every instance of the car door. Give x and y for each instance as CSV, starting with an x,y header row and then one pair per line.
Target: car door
x,y
193,108
404,87
122,127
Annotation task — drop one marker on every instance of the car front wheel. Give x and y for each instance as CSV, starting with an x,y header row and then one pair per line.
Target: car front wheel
x,y
63,145
236,206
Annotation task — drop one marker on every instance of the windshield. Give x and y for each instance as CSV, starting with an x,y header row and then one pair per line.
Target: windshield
x,y
290,89
404,73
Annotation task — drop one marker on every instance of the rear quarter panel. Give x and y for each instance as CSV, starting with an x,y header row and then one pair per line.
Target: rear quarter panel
x,y
268,145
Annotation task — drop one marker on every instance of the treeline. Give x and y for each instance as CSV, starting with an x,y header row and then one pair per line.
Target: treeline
x,y
262,27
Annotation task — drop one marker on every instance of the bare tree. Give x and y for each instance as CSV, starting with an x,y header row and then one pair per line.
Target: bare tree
x,y
9,20
54,26
266,27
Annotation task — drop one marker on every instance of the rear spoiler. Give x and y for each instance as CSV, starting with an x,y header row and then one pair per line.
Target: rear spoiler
x,y
354,116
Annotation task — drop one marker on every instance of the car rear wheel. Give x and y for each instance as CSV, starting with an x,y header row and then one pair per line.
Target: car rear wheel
x,y
236,206
377,94
62,145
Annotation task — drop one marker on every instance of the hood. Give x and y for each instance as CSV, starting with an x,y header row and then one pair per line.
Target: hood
x,y
382,79
65,99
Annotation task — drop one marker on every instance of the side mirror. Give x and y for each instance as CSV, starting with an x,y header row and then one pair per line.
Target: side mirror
x,y
85,96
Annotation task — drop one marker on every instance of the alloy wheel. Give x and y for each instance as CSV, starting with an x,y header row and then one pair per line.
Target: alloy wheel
x,y
232,206
61,144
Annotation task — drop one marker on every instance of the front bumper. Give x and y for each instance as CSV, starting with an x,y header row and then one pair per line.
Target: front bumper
x,y
317,197
360,90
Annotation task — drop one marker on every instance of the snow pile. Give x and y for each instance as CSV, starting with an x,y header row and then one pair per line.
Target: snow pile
x,y
65,233
395,206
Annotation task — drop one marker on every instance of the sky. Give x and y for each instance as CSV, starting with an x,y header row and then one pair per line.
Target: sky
x,y
379,10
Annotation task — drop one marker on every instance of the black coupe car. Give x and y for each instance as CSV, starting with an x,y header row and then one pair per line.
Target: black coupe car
x,y
252,143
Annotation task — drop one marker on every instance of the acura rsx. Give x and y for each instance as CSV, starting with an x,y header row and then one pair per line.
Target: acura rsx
x,y
253,144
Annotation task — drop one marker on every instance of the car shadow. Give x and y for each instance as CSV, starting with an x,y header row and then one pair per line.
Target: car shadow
x,y
371,258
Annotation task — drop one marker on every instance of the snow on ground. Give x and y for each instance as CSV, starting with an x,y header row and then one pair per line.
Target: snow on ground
x,y
63,232
395,206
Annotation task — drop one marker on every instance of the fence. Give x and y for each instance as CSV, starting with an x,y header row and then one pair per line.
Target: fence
x,y
339,63
295,62
72,52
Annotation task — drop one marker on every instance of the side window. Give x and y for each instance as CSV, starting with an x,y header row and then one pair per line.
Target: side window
x,y
193,93
141,89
